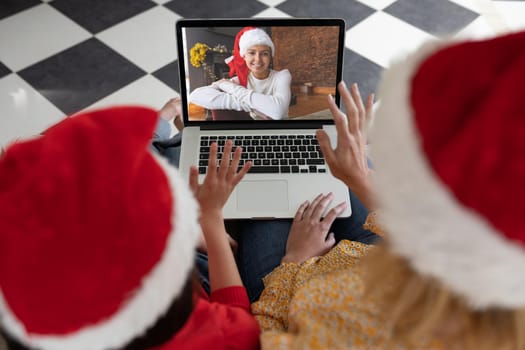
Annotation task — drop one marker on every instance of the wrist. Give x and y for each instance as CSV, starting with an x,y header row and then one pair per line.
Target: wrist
x,y
363,189
290,258
366,195
211,218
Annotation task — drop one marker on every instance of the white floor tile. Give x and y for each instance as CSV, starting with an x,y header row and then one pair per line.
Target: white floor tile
x,y
473,5
35,34
23,111
147,91
382,37
480,28
513,14
272,13
160,2
378,4
148,39
272,2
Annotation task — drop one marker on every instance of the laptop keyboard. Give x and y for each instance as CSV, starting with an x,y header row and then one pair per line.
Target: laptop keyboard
x,y
269,153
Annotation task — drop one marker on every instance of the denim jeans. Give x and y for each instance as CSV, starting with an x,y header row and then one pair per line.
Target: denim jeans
x,y
201,263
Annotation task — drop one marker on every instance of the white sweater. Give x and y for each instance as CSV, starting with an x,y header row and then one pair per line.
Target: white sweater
x,y
270,96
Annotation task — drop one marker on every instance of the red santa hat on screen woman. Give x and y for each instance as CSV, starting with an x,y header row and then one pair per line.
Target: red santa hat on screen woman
x,y
449,152
97,234
246,38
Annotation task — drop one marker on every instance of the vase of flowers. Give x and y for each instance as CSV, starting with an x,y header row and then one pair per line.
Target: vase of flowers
x,y
198,54
200,57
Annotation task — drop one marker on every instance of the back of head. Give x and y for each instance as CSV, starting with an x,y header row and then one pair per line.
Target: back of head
x,y
97,234
449,152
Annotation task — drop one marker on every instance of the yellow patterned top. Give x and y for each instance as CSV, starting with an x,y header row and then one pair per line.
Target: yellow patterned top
x,y
320,304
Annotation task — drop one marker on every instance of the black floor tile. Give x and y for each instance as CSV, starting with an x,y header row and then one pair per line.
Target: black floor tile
x,y
169,75
4,70
435,17
98,15
215,8
10,7
357,69
81,75
351,11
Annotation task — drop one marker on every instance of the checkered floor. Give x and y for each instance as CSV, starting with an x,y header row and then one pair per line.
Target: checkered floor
x,y
61,56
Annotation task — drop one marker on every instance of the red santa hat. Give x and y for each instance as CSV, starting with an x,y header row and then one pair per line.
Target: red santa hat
x,y
97,233
246,38
449,150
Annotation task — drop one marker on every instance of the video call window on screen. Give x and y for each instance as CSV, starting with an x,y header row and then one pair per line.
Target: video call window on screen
x,y
305,57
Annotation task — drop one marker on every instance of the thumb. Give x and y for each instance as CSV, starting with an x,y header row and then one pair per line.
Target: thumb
x,y
330,240
326,147
194,179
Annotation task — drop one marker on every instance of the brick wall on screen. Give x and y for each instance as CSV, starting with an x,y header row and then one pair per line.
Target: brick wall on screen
x,y
308,53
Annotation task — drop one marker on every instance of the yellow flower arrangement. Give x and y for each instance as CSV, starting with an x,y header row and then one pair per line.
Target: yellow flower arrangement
x,y
198,54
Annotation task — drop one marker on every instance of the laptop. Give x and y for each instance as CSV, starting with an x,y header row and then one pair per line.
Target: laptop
x,y
291,66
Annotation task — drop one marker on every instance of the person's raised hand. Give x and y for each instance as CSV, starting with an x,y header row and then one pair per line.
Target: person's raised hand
x,y
309,234
172,110
348,161
220,180
212,194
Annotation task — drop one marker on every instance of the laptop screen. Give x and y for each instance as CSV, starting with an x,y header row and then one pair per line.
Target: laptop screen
x,y
257,70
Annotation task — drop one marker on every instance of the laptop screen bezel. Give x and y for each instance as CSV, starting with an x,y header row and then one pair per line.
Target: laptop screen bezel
x,y
256,22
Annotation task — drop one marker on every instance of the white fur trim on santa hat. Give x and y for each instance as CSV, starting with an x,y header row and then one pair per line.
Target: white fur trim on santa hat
x,y
426,224
150,301
254,37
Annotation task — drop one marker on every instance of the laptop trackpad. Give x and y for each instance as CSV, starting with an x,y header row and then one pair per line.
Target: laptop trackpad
x,y
262,195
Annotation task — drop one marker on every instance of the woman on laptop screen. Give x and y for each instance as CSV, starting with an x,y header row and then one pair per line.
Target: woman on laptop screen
x,y
254,87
